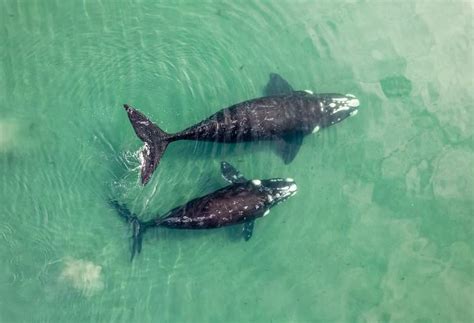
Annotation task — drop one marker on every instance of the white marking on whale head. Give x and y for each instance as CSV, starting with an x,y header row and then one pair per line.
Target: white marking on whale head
x,y
309,91
316,129
278,190
353,101
293,189
256,182
342,107
266,212
353,113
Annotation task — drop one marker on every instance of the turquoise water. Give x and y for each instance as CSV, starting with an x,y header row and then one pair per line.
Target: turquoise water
x,y
380,231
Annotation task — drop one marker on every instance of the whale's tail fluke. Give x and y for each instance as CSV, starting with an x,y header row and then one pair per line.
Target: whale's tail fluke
x,y
138,227
155,139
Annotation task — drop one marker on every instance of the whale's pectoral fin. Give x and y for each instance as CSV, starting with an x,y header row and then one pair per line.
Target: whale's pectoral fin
x,y
277,85
231,174
288,146
247,230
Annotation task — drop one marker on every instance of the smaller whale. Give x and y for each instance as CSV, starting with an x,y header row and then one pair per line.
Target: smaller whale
x,y
241,202
283,115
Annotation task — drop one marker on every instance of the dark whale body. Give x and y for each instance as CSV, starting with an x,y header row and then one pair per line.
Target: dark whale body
x,y
242,201
281,117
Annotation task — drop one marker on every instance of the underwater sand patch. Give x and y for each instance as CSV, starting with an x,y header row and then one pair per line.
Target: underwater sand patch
x,y
82,275
8,131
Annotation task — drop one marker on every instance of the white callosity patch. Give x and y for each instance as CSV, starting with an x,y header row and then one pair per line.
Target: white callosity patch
x,y
349,102
352,102
287,188
309,91
266,212
293,189
316,129
256,182
83,276
283,192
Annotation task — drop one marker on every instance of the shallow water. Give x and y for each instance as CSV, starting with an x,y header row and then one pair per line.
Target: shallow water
x,y
380,231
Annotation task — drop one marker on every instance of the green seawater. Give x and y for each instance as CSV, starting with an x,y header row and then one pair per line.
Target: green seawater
x,y
380,231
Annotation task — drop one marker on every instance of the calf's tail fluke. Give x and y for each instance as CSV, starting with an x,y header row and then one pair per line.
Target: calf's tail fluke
x,y
138,227
155,139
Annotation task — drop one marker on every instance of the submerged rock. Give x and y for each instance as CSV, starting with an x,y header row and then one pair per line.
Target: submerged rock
x,y
396,86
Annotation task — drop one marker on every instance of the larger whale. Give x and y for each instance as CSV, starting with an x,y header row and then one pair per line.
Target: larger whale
x,y
241,202
283,115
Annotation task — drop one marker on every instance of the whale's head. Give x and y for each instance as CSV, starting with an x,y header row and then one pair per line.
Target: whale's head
x,y
337,107
276,189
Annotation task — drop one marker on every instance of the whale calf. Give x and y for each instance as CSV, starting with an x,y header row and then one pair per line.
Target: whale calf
x,y
241,202
283,116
